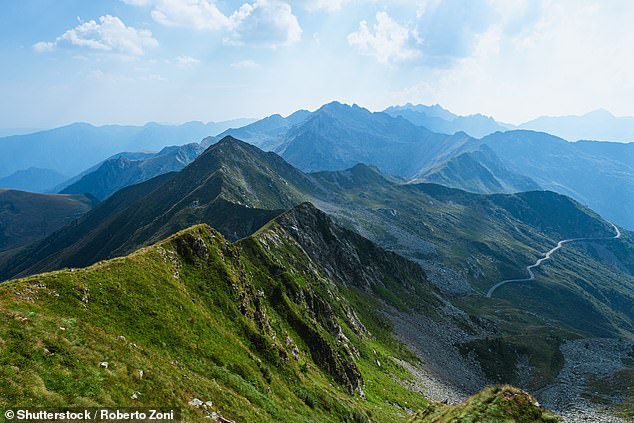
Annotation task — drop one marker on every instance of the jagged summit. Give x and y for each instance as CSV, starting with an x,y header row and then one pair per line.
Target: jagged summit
x,y
351,258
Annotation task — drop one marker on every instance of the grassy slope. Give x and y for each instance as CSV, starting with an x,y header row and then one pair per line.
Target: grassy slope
x,y
494,404
185,332
204,319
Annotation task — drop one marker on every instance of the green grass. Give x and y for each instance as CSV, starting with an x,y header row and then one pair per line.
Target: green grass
x,y
255,327
186,332
494,404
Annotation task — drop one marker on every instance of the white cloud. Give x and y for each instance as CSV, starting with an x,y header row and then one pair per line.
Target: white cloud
x,y
325,5
264,23
572,58
245,64
195,14
186,61
110,34
43,46
387,41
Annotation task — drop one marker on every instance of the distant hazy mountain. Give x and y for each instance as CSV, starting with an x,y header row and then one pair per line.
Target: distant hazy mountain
x,y
267,133
72,149
478,171
338,136
135,155
124,170
599,125
437,119
32,179
5,132
597,174
26,217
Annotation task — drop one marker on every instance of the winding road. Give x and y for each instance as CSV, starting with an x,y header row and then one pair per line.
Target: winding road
x,y
546,257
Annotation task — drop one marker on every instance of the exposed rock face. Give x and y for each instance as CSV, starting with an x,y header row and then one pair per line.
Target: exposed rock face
x,y
304,242
346,256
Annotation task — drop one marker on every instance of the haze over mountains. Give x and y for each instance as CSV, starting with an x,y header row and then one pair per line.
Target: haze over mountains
x,y
124,170
72,149
600,175
599,125
33,179
338,136
437,119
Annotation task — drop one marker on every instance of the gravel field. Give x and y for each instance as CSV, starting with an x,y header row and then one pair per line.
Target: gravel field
x,y
445,375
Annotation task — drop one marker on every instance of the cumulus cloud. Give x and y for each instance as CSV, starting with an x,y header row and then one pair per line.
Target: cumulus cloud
x,y
110,34
264,23
387,41
196,14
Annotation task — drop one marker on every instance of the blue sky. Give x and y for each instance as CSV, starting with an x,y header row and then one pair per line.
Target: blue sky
x,y
133,61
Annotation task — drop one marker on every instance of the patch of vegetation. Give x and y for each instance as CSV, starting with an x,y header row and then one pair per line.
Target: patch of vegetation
x,y
494,404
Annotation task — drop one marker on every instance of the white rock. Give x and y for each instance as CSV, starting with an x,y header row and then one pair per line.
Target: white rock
x,y
195,402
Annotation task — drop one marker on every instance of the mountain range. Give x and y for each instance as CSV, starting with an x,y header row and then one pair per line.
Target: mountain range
x,y
455,244
335,137
72,149
356,258
597,125
33,179
440,120
463,242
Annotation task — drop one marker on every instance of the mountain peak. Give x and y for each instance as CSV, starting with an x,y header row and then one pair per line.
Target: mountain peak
x,y
229,140
336,105
600,113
